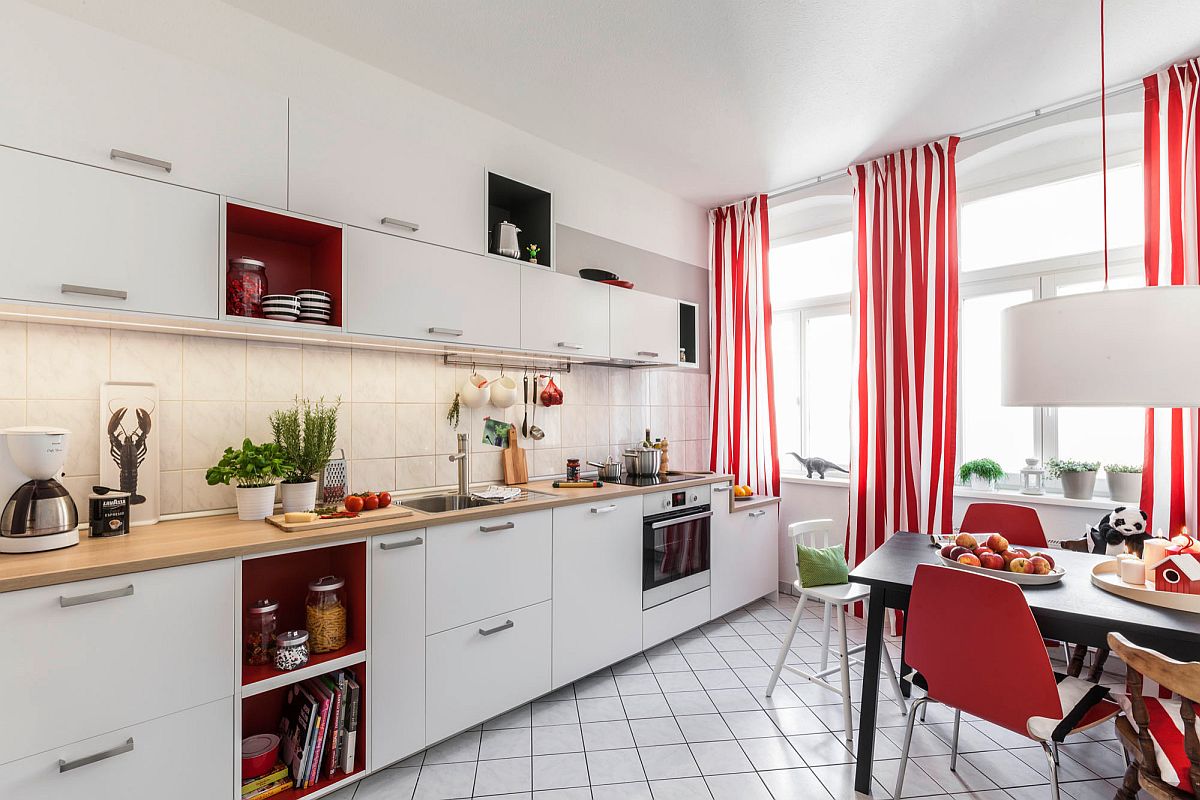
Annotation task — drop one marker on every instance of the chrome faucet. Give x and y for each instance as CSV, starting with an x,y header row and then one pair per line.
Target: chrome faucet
x,y
463,457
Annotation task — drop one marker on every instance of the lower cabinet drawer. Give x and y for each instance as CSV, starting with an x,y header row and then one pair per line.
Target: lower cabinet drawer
x,y
477,671
184,756
94,656
678,616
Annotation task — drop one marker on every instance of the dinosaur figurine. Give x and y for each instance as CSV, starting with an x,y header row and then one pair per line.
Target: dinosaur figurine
x,y
818,465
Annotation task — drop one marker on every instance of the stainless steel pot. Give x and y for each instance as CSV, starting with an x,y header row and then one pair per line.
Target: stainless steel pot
x,y
610,470
642,461
504,240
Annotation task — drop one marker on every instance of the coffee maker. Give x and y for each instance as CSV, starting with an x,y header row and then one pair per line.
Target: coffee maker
x,y
39,513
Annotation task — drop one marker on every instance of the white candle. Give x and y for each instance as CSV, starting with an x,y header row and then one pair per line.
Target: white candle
x,y
1153,551
1132,570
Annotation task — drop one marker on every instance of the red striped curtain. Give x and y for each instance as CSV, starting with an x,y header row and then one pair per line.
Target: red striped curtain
x,y
741,376
1171,470
905,306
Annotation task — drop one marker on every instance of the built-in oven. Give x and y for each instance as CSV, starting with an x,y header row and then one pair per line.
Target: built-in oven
x,y
676,528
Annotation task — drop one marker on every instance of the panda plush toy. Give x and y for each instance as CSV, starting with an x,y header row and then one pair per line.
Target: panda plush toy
x,y
1122,530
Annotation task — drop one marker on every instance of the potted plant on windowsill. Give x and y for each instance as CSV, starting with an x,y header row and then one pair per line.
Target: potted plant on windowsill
x,y
1078,477
982,474
305,435
254,468
1124,482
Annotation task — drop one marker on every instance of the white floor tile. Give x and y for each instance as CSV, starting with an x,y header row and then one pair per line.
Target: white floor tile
x,y
389,784
737,786
668,761
615,766
554,739
559,771
507,743
656,731
503,776
772,753
719,758
685,789
704,728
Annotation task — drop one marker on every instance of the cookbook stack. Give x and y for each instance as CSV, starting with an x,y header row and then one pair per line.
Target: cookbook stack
x,y
319,729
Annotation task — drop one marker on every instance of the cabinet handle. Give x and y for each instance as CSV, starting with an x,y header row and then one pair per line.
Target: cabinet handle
x,y
71,288
446,331
758,513
648,353
67,766
570,346
725,487
398,545
95,597
604,510
507,624
507,526
114,154
399,223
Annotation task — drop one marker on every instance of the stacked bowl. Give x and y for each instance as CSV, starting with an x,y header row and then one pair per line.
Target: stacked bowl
x,y
285,307
316,306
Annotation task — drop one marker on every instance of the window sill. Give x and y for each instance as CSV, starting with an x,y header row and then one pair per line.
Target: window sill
x,y
840,481
1002,495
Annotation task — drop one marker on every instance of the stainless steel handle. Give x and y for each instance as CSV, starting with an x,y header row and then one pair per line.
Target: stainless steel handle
x,y
446,331
398,545
758,513
72,288
95,597
666,523
507,526
399,223
722,488
507,624
570,346
605,510
648,353
114,154
67,766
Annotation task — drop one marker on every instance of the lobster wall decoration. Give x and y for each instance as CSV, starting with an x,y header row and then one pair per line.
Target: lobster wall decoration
x,y
128,448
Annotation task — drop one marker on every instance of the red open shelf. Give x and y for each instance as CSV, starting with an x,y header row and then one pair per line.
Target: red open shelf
x,y
261,714
299,253
285,578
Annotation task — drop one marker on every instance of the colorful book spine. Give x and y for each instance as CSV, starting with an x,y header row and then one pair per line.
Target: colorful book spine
x,y
355,695
270,791
278,772
324,701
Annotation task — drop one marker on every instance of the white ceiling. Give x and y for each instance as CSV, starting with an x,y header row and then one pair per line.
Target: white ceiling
x,y
713,100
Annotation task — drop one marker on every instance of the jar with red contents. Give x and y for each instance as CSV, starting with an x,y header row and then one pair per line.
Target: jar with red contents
x,y
245,285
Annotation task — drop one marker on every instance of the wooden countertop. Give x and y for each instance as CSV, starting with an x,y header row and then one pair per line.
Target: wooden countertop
x,y
190,541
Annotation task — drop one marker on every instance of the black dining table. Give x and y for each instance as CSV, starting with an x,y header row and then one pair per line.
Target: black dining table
x,y
1072,610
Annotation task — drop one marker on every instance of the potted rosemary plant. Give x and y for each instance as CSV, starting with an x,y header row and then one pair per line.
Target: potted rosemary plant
x,y
254,468
1124,482
981,473
1078,477
305,434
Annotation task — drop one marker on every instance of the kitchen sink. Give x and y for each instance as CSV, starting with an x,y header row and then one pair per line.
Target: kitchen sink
x,y
443,503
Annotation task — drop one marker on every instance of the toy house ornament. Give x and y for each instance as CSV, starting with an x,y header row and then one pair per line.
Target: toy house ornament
x,y
1179,573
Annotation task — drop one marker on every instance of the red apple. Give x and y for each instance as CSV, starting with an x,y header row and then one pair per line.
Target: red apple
x,y
1009,556
1020,551
1049,558
983,551
947,550
1020,565
956,552
991,561
997,543
966,540
1038,566
969,559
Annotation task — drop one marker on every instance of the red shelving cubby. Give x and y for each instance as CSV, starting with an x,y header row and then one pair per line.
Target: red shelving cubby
x,y
299,253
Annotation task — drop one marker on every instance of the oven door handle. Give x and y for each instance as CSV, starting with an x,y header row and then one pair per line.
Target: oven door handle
x,y
666,523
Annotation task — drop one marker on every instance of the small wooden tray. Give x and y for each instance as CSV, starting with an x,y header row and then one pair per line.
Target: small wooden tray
x,y
1105,576
391,512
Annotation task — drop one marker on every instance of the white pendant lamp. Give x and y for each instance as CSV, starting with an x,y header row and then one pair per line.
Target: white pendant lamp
x,y
1133,347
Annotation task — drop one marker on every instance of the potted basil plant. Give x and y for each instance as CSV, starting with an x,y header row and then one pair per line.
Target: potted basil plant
x,y
305,435
981,473
1078,477
254,468
1124,482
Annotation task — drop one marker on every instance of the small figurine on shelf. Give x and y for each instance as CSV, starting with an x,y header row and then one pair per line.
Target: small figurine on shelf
x,y
533,252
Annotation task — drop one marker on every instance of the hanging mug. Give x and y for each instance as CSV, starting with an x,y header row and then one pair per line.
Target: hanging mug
x,y
504,392
475,391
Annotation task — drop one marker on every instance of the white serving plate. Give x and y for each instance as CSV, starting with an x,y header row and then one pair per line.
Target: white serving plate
x,y
1055,575
1105,576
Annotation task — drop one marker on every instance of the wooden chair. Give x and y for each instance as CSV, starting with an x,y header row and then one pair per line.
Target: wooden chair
x,y
1162,762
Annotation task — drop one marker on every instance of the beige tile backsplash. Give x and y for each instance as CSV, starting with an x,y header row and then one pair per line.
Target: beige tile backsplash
x,y
213,392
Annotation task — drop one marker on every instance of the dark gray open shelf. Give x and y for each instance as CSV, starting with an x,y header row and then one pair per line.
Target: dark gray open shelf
x,y
688,332
527,207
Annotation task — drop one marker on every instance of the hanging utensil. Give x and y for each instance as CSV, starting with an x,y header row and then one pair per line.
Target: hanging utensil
x,y
535,433
525,402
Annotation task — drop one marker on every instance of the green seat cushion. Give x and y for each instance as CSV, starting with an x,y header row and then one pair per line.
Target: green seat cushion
x,y
822,566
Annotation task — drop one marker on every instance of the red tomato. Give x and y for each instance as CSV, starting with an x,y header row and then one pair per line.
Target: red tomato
x,y
354,503
385,499
370,501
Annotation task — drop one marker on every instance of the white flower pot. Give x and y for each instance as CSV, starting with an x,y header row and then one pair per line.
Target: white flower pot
x,y
298,496
255,503
1078,485
982,484
1125,487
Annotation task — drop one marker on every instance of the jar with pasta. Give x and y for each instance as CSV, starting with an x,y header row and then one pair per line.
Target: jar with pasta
x,y
325,613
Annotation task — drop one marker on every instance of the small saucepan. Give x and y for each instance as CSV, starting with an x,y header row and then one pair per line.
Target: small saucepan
x,y
608,471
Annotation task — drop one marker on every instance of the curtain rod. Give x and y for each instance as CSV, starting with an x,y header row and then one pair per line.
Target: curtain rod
x,y
983,130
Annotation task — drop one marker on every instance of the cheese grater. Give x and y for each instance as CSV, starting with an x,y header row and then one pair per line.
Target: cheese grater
x,y
333,480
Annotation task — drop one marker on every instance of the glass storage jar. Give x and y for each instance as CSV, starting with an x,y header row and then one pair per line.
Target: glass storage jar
x,y
245,285
259,632
325,612
291,650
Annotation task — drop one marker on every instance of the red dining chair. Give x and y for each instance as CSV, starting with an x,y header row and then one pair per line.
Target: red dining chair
x,y
1019,524
951,651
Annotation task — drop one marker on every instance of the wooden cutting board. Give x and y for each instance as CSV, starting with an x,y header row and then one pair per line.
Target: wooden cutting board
x,y
515,469
391,512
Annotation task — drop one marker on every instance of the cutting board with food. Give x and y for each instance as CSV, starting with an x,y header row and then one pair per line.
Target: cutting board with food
x,y
366,507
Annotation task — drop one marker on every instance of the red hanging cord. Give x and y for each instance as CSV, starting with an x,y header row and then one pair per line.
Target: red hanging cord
x,y
1103,144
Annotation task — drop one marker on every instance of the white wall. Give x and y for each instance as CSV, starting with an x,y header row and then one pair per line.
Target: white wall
x,y
587,195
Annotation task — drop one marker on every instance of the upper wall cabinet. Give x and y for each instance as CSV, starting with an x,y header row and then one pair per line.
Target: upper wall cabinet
x,y
645,327
384,180
398,287
84,236
563,314
70,90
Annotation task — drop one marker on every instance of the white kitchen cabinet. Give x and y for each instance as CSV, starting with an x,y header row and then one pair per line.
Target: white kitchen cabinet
x,y
745,553
398,287
397,662
94,656
484,668
348,171
643,327
483,567
73,91
597,586
563,314
681,615
84,236
184,756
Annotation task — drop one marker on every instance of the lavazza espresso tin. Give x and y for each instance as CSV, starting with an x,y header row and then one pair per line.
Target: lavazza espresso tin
x,y
108,514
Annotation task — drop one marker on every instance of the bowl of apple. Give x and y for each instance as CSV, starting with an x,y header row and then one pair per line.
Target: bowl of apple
x,y
995,557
